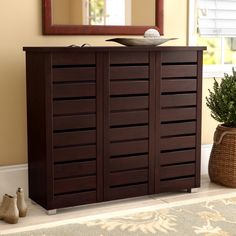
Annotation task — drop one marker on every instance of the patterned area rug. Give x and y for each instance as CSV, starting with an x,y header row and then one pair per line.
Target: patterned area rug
x,y
208,218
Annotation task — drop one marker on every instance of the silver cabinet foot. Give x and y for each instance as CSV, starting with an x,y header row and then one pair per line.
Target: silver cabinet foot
x,y
52,212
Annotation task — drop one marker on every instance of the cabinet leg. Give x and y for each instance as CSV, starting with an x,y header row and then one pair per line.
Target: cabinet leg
x,y
189,190
52,212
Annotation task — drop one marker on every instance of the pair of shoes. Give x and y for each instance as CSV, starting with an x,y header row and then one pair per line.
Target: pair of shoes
x,y
13,207
9,211
21,204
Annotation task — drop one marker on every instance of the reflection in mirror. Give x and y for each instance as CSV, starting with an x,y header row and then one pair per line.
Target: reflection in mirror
x,y
104,12
102,17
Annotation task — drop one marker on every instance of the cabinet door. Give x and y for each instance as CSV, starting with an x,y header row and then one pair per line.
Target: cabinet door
x,y
179,122
129,136
76,156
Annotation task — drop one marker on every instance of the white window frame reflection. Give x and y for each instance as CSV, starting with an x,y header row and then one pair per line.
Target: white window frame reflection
x,y
113,14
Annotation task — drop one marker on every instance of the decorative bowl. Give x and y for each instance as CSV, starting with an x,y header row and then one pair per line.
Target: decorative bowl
x,y
141,41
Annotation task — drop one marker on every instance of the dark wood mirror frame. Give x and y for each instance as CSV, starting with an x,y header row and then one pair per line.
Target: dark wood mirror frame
x,y
51,29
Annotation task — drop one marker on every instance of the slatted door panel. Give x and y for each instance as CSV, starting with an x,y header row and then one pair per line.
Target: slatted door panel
x,y
74,129
127,160
178,121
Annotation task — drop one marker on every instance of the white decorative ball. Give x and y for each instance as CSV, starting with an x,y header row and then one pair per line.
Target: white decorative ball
x,y
151,34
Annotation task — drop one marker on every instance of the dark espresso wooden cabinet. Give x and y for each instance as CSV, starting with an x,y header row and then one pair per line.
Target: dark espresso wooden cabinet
x,y
107,123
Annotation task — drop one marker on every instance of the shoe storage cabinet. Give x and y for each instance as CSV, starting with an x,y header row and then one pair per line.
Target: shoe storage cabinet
x,y
107,123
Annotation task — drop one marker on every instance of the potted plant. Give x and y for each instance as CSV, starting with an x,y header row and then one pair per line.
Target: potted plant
x,y
222,103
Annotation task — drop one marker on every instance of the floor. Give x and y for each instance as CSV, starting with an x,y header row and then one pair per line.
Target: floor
x,y
37,215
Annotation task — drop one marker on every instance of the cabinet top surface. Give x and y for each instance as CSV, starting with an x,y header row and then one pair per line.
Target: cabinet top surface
x,y
117,48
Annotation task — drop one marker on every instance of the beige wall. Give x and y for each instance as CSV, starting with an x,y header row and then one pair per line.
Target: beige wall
x,y
20,24
208,123
67,12
61,12
141,17
76,9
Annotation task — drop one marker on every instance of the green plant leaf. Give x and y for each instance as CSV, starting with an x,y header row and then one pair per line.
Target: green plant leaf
x,y
222,100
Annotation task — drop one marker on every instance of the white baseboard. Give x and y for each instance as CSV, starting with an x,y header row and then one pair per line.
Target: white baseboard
x,y
205,155
12,177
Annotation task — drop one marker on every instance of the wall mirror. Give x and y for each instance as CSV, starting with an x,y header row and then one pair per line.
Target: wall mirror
x,y
101,17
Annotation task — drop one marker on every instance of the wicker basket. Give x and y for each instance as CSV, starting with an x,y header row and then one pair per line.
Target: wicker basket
x,y
222,163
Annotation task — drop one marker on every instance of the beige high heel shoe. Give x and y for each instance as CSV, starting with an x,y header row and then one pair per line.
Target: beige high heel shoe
x,y
4,206
11,215
21,204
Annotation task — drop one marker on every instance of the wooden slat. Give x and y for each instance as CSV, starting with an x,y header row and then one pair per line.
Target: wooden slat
x,y
105,148
128,163
126,148
129,103
67,200
178,100
178,128
177,184
178,114
74,153
155,108
128,191
177,157
153,118
74,138
178,85
102,65
73,58
74,90
199,118
126,118
39,115
129,87
128,177
128,57
74,169
128,133
74,106
74,185
178,142
73,74
170,71
128,72
74,122
178,57
167,172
